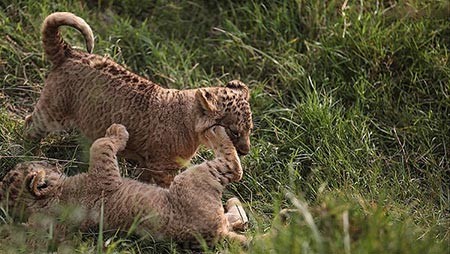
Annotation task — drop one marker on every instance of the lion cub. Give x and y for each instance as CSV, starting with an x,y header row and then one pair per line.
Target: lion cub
x,y
166,126
191,208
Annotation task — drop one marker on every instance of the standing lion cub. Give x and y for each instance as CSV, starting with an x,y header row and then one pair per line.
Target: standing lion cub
x,y
189,210
166,126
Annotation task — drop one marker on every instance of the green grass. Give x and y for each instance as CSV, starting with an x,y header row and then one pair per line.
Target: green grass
x,y
350,99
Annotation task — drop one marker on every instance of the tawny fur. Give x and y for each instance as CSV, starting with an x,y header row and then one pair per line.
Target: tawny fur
x,y
90,92
190,209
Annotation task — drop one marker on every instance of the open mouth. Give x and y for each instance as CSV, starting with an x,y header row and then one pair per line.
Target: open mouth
x,y
241,153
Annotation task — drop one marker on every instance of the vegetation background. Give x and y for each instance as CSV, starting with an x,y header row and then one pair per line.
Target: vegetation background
x,y
350,100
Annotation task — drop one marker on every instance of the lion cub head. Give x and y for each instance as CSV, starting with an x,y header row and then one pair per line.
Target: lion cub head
x,y
229,107
29,186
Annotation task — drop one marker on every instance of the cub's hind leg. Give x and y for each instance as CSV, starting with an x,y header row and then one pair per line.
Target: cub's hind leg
x,y
50,114
236,217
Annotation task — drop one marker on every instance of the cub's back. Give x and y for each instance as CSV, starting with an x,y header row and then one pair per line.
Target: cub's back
x,y
98,92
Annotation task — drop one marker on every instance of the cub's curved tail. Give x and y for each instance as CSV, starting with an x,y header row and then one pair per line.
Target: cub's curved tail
x,y
55,47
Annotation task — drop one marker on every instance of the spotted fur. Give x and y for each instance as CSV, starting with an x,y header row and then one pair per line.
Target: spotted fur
x,y
189,210
166,126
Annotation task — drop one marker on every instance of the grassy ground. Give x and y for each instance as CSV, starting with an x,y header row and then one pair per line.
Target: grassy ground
x,y
350,99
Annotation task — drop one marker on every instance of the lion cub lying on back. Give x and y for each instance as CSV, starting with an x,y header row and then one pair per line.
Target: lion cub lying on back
x,y
166,126
190,208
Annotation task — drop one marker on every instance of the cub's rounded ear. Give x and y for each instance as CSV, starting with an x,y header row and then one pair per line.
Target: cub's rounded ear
x,y
207,100
238,85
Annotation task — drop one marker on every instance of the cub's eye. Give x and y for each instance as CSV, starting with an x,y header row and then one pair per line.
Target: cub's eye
x,y
234,134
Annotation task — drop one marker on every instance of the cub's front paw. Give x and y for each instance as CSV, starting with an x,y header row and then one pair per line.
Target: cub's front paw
x,y
237,218
216,134
117,131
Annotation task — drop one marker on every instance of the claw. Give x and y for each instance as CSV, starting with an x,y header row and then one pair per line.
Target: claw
x,y
37,182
